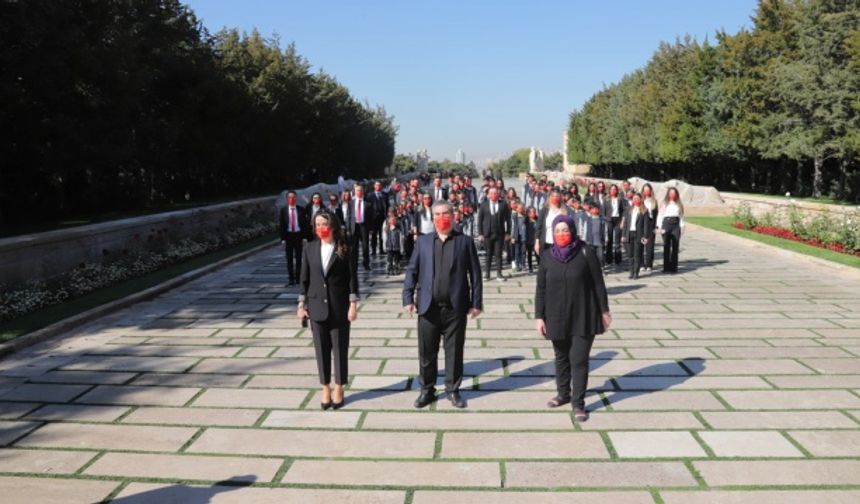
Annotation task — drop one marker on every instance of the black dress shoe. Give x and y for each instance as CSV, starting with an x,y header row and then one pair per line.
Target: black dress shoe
x,y
338,405
456,400
325,405
424,399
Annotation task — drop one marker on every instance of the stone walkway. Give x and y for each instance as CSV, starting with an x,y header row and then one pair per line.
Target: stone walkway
x,y
737,380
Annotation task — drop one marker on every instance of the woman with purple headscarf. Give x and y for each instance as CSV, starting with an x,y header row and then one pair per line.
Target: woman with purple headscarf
x,y
571,307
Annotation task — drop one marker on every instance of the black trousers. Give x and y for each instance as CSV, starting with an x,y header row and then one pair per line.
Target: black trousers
x,y
441,322
393,263
671,242
494,253
613,240
649,249
519,255
635,251
571,367
331,339
376,237
293,250
360,237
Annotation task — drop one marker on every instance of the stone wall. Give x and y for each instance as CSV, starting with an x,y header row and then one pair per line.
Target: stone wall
x,y
44,255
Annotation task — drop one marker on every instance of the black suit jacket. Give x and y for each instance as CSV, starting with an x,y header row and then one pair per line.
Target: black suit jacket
x,y
642,223
347,218
571,297
301,220
494,226
465,283
327,296
623,204
380,207
444,194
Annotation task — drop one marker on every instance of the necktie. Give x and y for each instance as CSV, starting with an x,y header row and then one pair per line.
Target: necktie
x,y
494,209
358,213
293,225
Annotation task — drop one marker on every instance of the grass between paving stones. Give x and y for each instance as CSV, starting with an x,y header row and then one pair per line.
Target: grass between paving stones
x,y
43,318
724,224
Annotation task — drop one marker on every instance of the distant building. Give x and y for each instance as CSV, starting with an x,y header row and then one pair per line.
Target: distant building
x,y
460,157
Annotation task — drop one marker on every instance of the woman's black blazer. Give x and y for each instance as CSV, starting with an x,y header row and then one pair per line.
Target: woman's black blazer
x,y
327,297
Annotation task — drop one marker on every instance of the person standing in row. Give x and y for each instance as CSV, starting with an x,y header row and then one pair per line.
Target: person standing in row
x,y
571,307
671,225
329,298
315,206
444,268
394,245
649,203
423,220
294,233
613,212
494,223
379,202
593,232
635,228
553,208
519,231
363,219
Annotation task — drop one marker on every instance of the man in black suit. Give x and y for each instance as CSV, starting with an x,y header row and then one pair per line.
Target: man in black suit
x,y
470,193
379,202
444,268
494,226
438,192
294,232
362,217
313,208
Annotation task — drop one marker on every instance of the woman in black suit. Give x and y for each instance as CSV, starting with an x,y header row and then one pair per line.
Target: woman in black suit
x,y
329,298
571,307
634,229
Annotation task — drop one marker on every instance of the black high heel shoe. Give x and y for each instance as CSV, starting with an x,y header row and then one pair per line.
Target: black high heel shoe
x,y
326,405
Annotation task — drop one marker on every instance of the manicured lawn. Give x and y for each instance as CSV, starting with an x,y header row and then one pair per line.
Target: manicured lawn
x,y
724,224
45,317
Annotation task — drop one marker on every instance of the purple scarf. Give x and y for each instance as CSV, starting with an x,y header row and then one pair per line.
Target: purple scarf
x,y
565,254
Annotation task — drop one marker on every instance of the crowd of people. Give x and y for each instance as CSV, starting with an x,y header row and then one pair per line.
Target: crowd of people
x,y
547,228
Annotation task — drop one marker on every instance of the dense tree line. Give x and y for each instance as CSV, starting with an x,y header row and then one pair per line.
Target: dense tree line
x,y
123,104
775,108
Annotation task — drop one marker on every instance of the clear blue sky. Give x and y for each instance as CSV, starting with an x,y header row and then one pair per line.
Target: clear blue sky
x,y
485,76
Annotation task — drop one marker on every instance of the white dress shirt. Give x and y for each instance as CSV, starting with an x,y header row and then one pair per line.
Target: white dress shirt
x,y
551,214
359,204
616,202
634,214
670,210
326,250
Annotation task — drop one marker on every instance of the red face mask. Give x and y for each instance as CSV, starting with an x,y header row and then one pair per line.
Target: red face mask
x,y
672,196
359,194
324,232
291,201
494,197
443,223
555,200
563,239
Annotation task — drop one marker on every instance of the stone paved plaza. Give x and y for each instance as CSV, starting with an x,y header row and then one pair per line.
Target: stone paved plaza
x,y
735,381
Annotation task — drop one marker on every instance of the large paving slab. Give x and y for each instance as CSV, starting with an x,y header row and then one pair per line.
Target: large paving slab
x,y
736,380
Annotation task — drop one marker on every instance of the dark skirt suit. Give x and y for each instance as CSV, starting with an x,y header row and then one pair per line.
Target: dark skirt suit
x,y
327,297
571,299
